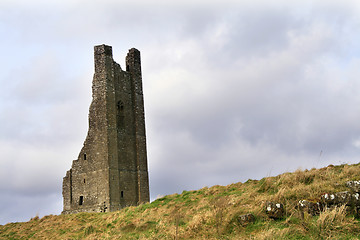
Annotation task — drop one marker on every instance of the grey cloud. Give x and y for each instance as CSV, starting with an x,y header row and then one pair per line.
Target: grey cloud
x,y
17,207
282,107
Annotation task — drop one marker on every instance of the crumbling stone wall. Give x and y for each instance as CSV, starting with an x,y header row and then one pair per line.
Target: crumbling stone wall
x,y
111,170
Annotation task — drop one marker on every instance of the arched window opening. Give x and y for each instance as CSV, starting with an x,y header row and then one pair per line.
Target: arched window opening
x,y
120,106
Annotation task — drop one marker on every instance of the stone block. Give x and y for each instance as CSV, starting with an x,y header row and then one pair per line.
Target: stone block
x,y
274,210
246,219
311,207
354,186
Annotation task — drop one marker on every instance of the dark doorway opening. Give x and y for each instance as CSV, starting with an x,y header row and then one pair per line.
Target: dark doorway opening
x,y
81,200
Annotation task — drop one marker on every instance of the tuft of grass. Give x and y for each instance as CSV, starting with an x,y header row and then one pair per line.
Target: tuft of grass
x,y
334,221
89,230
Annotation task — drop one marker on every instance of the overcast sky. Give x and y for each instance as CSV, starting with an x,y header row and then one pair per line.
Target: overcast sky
x,y
233,90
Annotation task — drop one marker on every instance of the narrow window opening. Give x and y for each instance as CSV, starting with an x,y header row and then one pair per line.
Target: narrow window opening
x,y
84,156
84,180
120,106
127,68
81,200
122,194
120,114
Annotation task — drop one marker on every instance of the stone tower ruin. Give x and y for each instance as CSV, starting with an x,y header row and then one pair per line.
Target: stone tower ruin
x,y
111,170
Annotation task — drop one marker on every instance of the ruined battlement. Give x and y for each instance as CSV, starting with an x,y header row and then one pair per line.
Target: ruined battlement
x,y
111,170
103,50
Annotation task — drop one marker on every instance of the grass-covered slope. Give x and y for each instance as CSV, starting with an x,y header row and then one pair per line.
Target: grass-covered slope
x,y
212,213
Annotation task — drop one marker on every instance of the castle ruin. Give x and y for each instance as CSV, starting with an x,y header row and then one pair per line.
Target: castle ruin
x,y
111,170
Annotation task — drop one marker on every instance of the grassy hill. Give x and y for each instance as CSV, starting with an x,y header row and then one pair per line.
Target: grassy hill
x,y
213,213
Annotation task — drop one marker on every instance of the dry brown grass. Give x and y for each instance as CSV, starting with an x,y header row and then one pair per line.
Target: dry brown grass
x,y
333,221
210,213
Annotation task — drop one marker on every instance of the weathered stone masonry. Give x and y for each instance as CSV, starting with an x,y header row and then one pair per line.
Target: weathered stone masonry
x,y
111,170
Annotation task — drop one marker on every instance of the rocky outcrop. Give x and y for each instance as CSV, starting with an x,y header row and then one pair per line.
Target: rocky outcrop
x,y
350,198
341,198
